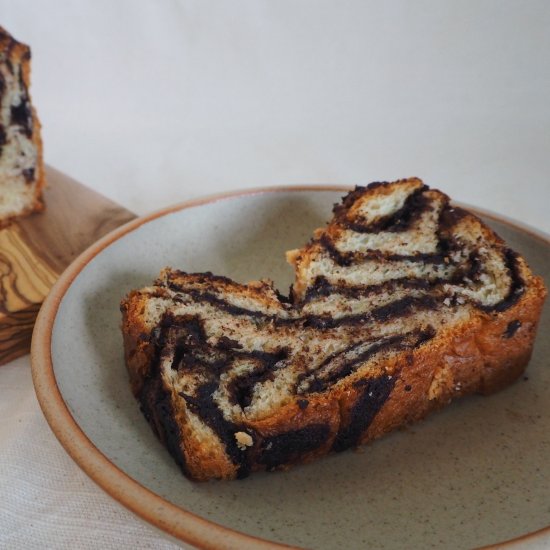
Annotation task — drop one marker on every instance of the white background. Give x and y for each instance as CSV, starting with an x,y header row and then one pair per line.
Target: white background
x,y
154,102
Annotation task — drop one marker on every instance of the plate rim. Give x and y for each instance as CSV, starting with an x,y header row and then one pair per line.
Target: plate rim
x,y
174,520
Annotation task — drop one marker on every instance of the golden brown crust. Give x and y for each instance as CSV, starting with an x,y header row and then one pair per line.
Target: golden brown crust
x,y
475,358
138,350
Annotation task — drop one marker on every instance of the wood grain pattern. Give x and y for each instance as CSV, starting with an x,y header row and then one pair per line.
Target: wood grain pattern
x,y
35,250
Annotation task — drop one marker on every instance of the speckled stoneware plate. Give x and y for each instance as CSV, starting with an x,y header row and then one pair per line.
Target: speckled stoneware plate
x,y
474,474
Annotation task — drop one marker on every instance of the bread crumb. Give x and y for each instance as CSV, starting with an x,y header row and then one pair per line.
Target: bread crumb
x,y
244,440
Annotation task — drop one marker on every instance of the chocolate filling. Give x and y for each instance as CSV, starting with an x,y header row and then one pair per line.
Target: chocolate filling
x,y
21,114
375,393
289,447
156,401
325,376
517,287
28,174
156,405
403,307
242,387
341,208
401,220
450,216
206,277
472,269
202,404
511,329
303,404
345,259
220,303
320,380
399,308
228,344
3,137
322,287
191,352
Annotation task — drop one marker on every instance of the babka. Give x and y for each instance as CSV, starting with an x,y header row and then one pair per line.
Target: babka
x,y
401,303
21,163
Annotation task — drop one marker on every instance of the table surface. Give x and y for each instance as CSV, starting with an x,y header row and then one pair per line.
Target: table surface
x,y
154,103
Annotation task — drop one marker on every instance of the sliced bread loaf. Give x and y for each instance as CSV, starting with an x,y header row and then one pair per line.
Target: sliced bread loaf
x,y
401,304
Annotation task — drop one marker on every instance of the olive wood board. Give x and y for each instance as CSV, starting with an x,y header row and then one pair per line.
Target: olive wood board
x,y
36,249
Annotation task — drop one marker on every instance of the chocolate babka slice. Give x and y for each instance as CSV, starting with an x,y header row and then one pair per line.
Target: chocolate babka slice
x,y
401,304
21,164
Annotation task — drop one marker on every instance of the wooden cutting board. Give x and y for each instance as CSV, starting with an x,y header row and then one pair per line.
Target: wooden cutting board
x,y
35,250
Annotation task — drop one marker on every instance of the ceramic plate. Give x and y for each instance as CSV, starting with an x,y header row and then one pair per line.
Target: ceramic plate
x,y
473,474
